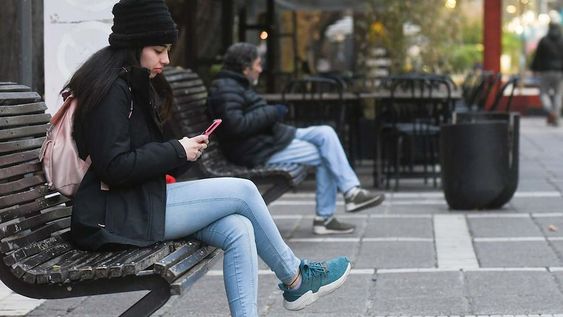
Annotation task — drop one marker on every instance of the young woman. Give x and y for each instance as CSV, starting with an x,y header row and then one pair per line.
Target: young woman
x,y
123,200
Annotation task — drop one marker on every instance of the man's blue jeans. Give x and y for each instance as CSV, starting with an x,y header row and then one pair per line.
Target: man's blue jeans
x,y
319,146
230,213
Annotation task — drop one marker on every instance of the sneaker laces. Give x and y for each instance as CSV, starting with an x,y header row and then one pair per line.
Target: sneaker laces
x,y
314,269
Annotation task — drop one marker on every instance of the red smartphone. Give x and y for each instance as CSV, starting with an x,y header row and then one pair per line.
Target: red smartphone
x,y
212,127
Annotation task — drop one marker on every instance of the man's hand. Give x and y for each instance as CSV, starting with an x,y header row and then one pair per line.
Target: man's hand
x,y
194,146
282,111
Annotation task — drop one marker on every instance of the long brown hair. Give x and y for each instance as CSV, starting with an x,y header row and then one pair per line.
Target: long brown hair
x,y
93,80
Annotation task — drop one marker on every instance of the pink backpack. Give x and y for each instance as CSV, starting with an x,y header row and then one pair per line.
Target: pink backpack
x,y
63,168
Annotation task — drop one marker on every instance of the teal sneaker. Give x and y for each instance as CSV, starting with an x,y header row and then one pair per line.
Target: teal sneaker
x,y
318,279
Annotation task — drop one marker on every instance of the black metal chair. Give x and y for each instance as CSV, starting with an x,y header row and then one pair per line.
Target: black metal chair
x,y
320,101
409,126
486,85
510,84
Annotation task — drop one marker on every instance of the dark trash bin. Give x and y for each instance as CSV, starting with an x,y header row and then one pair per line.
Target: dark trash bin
x,y
479,157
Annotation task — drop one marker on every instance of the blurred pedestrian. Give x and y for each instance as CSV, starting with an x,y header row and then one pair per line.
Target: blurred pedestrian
x,y
548,64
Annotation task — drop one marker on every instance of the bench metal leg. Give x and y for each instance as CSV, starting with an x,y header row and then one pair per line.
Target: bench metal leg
x,y
275,191
150,303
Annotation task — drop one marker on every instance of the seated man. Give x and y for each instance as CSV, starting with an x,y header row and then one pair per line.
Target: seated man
x,y
252,134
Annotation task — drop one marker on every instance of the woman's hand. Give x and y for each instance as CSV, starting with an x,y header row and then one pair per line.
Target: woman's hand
x,y
194,146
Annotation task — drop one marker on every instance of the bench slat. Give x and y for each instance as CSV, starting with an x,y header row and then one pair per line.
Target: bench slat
x,y
21,169
59,271
14,88
147,260
27,131
20,145
173,272
43,273
34,248
177,85
20,157
190,98
195,116
30,207
37,235
75,273
189,90
10,98
182,76
117,269
20,268
194,105
15,121
22,197
88,272
161,266
26,108
102,270
186,281
43,218
22,183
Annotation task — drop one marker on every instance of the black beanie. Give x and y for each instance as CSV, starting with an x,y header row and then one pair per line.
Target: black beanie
x,y
140,23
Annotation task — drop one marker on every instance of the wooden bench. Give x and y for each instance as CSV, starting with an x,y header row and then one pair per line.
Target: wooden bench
x,y
37,258
190,118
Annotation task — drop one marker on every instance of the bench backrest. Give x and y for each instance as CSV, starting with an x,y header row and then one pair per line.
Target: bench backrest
x,y
37,258
32,218
189,115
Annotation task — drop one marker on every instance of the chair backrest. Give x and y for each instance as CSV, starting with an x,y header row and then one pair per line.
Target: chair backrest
x,y
416,98
509,84
317,87
320,102
31,216
487,83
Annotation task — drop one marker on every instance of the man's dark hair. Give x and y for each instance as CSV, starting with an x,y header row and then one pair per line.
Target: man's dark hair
x,y
240,56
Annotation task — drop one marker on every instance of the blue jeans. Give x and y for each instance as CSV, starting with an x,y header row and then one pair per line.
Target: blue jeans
x,y
319,146
230,213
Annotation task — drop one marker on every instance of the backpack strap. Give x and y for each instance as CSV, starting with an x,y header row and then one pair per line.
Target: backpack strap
x,y
62,110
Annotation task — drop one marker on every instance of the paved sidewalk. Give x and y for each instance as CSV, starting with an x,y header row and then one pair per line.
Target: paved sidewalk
x,y
411,256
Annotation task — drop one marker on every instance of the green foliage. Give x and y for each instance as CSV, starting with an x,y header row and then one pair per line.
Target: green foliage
x,y
447,41
512,46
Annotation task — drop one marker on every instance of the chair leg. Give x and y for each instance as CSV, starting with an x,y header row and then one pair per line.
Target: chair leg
x,y
387,164
425,159
397,161
435,158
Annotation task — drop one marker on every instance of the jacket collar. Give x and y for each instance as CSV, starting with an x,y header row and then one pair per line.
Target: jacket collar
x,y
142,91
240,78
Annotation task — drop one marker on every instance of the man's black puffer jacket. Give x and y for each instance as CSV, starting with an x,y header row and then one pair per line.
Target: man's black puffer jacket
x,y
251,132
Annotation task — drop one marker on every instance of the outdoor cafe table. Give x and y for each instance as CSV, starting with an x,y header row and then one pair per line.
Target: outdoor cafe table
x,y
378,94
351,100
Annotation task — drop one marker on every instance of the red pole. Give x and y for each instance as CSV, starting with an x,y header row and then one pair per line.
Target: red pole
x,y
492,32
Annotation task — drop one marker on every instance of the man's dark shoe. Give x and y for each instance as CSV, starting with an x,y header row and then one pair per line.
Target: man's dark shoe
x,y
317,279
331,226
551,118
363,199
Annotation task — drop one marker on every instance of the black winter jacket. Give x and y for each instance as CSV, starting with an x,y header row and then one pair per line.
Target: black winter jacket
x,y
131,156
251,132
549,54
